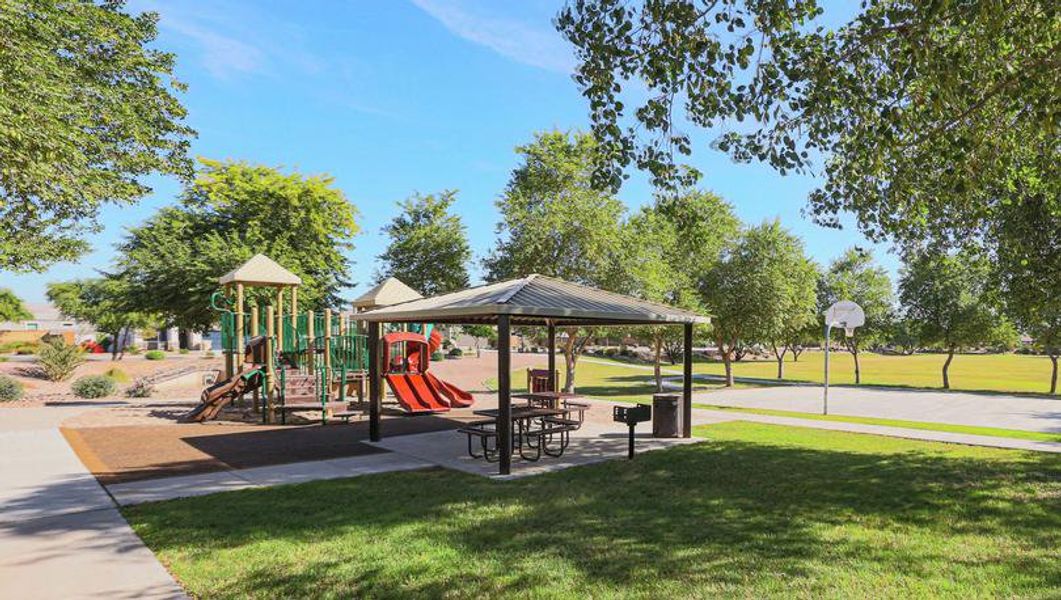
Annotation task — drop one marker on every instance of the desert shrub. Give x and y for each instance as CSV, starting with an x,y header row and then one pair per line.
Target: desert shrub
x,y
184,351
59,360
117,375
19,347
10,390
94,386
134,349
437,355
209,354
141,388
455,352
154,355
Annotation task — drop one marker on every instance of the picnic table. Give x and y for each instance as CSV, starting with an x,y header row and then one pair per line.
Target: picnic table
x,y
536,430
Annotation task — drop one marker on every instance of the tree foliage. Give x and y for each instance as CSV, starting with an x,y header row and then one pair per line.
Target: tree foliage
x,y
556,222
948,296
86,109
232,211
1028,271
11,307
927,120
755,288
105,302
855,276
428,247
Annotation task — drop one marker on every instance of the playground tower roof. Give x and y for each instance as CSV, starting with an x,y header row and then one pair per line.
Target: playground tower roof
x,y
260,270
533,300
387,292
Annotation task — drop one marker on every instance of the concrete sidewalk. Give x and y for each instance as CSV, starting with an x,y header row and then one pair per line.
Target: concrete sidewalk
x,y
168,488
702,416
61,535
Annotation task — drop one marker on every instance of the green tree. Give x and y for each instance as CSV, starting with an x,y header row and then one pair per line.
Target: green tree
x,y
795,295
1028,271
856,277
480,333
106,303
948,296
232,211
750,292
87,108
667,247
555,222
923,116
11,307
428,247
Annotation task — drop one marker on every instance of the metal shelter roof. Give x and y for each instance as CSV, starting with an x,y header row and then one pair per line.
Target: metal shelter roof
x,y
387,292
260,270
534,300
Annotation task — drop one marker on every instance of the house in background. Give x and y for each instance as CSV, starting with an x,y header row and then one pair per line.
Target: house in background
x,y
47,320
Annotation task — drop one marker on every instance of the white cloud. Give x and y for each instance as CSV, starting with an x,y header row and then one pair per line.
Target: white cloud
x,y
532,45
221,55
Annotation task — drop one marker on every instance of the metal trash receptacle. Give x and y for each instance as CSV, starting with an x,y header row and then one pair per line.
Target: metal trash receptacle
x,y
666,416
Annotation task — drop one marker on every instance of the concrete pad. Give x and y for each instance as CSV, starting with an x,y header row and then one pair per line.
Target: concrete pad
x,y
593,443
91,554
956,408
899,432
42,477
168,488
186,486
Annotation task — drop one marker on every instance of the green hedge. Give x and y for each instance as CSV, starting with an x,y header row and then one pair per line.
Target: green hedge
x,y
10,390
155,355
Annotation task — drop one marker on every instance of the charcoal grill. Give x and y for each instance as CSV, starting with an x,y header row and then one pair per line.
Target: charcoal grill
x,y
632,415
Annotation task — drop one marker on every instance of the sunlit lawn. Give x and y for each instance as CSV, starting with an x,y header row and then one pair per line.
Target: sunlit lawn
x,y
617,381
974,372
759,510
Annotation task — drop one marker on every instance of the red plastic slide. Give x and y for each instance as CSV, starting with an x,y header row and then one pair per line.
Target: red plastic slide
x,y
415,393
457,397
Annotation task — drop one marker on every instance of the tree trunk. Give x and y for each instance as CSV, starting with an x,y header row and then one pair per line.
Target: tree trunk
x,y
780,360
946,368
1053,375
121,342
115,338
726,360
657,367
478,352
570,360
796,351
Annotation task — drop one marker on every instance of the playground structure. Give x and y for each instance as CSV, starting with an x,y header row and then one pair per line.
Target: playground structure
x,y
301,361
407,356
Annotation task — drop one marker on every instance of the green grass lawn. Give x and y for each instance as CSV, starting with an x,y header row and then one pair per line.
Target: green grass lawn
x,y
615,381
971,429
757,511
972,372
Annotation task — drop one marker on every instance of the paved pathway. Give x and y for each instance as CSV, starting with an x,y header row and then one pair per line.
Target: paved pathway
x,y
167,488
956,408
704,416
61,536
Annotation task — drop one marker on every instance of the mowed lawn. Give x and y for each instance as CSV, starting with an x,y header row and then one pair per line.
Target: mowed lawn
x,y
616,381
757,511
971,372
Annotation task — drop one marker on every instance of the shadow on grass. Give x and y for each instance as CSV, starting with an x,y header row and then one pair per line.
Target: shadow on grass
x,y
747,518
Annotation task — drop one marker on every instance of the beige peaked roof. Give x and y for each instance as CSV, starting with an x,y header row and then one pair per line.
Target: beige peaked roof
x,y
260,270
534,300
387,292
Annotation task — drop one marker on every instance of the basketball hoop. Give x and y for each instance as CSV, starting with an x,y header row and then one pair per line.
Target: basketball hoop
x,y
845,314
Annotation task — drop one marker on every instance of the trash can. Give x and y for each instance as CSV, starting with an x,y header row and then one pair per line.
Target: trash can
x,y
666,416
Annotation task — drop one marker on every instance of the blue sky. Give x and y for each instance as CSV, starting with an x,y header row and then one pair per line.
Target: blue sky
x,y
395,97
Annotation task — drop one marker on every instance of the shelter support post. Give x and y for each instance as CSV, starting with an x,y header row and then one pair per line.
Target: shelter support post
x,y
687,384
552,356
270,375
504,394
279,319
374,399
